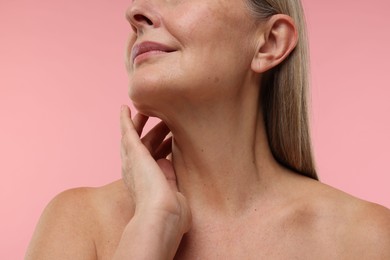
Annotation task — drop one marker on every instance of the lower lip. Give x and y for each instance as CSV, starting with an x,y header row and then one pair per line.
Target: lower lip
x,y
146,55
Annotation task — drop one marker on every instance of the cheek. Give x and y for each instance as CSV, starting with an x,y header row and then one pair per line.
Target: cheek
x,y
213,31
219,61
129,44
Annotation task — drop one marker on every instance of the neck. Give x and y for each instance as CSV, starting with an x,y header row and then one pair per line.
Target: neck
x,y
222,163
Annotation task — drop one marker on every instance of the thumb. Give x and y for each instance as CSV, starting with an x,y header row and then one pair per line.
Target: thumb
x,y
167,168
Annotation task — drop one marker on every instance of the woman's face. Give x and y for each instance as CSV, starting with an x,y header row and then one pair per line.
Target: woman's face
x,y
188,50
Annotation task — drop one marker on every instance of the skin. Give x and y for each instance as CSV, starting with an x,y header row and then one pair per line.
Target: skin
x,y
220,194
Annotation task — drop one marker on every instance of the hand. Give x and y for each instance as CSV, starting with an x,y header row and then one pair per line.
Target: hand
x,y
150,177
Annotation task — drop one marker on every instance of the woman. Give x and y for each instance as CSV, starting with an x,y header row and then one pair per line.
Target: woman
x,y
235,179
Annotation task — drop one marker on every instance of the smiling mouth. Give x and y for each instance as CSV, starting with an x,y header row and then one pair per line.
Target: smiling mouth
x,y
146,49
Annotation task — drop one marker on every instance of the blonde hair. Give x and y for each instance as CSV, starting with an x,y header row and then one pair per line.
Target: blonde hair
x,y
284,94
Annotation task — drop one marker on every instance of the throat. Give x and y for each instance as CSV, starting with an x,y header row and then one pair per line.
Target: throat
x,y
222,163
227,177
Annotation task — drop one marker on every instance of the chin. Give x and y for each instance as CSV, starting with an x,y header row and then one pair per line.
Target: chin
x,y
154,89
149,94
146,108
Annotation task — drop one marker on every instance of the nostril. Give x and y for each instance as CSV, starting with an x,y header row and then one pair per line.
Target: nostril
x,y
142,18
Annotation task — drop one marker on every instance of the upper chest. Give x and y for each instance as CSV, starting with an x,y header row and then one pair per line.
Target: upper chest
x,y
274,238
278,234
281,234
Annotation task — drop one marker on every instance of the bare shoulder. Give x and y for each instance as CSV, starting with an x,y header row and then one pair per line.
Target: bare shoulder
x,y
369,230
71,222
353,227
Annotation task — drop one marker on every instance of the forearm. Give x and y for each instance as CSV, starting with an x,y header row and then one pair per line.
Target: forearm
x,y
150,237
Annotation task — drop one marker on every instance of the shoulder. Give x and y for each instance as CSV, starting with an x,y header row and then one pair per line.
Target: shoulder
x,y
358,228
369,231
71,221
89,204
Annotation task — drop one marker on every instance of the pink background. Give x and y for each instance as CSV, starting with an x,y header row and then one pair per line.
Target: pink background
x,y
62,81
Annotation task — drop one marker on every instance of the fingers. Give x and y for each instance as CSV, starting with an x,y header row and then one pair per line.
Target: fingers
x,y
164,149
127,126
169,172
155,137
132,149
139,121
153,141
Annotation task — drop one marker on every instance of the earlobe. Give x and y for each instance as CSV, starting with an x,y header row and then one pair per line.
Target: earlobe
x,y
278,39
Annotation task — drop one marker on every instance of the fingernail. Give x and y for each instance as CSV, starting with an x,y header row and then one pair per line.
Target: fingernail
x,y
123,107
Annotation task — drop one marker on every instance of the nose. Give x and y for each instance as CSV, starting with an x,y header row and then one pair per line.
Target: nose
x,y
142,15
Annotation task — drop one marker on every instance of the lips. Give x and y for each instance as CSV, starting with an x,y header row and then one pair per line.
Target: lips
x,y
148,47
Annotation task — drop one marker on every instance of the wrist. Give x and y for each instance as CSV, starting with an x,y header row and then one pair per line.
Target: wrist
x,y
154,235
164,224
172,217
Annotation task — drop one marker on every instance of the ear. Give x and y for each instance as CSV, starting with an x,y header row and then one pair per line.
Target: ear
x,y
278,39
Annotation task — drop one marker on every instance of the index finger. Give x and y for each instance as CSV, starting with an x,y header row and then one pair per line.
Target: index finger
x,y
127,126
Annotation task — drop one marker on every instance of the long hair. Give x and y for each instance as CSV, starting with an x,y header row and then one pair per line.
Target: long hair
x,y
284,94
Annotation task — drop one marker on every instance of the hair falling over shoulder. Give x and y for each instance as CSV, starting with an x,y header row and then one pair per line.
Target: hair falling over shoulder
x,y
285,94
